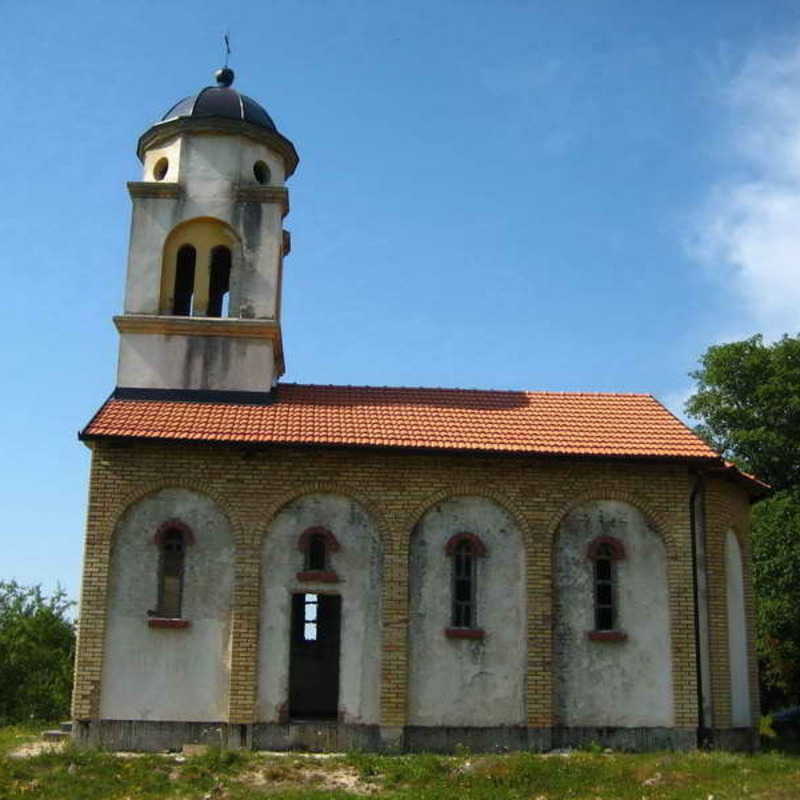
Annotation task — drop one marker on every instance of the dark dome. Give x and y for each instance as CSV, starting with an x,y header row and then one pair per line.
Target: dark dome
x,y
221,101
220,109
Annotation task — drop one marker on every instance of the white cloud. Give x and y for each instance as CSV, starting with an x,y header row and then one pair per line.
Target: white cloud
x,y
750,229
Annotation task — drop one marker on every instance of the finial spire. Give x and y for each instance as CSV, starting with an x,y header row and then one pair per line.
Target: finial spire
x,y
224,76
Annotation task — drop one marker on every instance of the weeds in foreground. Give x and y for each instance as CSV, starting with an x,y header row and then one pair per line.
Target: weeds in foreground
x,y
73,774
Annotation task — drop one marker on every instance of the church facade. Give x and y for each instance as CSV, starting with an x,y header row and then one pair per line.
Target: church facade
x,y
273,565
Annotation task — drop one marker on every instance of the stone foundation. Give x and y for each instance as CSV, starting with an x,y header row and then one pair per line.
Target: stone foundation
x,y
626,739
318,737
740,739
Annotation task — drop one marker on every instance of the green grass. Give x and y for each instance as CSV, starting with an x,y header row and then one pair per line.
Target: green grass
x,y
218,775
13,736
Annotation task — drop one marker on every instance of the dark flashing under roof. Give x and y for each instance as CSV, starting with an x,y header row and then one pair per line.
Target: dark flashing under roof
x,y
196,396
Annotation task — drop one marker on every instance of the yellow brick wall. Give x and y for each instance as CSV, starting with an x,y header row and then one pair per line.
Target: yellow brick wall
x,y
396,488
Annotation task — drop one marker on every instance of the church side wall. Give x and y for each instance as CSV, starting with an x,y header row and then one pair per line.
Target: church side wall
x,y
397,489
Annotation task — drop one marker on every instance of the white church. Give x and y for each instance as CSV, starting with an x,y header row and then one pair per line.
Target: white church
x,y
274,565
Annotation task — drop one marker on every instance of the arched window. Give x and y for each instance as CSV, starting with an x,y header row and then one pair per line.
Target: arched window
x,y
173,552
219,281
463,585
317,544
317,553
171,539
604,552
184,281
464,550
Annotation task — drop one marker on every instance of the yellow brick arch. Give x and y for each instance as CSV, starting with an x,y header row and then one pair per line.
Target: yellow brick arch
x,y
203,234
116,513
278,504
498,497
658,521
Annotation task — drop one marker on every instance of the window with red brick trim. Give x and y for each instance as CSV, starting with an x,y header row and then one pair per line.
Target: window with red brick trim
x,y
171,538
317,544
604,552
464,549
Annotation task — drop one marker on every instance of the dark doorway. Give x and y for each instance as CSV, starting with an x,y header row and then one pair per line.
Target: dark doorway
x,y
314,658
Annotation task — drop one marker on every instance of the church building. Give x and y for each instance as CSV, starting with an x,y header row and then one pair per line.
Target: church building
x,y
274,565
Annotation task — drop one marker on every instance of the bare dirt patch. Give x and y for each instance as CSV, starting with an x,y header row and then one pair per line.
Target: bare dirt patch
x,y
31,749
283,774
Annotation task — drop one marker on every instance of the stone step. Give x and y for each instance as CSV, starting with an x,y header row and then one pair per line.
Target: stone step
x,y
66,726
55,736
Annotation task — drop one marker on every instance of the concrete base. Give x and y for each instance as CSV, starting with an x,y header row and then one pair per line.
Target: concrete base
x,y
148,736
477,740
627,739
741,739
317,737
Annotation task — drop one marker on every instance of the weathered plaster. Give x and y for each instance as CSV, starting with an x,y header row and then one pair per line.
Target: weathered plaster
x,y
358,566
211,169
169,674
737,633
464,682
625,683
159,361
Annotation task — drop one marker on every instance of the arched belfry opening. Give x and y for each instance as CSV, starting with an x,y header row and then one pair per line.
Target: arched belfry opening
x,y
184,281
219,282
200,258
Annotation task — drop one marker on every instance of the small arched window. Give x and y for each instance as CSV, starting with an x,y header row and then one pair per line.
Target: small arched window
x,y
184,281
171,539
464,549
317,544
604,552
173,553
463,586
317,553
219,281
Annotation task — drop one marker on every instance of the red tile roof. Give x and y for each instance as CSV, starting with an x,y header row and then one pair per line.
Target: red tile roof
x,y
618,425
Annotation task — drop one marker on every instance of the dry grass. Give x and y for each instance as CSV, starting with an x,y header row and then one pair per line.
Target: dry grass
x,y
29,770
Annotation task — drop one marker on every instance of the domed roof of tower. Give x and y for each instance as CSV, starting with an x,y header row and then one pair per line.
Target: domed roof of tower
x,y
221,101
220,109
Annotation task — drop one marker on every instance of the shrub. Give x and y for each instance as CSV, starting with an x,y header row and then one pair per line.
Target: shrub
x,y
37,643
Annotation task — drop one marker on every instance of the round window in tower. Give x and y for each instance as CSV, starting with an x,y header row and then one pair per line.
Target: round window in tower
x,y
261,172
160,169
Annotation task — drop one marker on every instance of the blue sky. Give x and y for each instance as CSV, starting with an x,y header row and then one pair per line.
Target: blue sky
x,y
544,195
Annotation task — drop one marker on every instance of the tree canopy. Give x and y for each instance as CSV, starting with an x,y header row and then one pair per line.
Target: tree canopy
x,y
36,651
748,401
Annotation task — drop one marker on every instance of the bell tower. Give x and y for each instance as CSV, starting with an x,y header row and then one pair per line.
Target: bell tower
x,y
203,291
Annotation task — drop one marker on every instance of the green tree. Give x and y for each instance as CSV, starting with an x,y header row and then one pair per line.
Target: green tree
x,y
748,405
776,576
37,641
748,402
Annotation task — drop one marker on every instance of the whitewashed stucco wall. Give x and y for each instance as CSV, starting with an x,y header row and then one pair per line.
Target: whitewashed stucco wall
x,y
358,566
627,683
463,682
169,674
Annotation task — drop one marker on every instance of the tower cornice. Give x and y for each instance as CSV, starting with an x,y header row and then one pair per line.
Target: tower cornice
x,y
150,189
219,125
264,194
228,327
